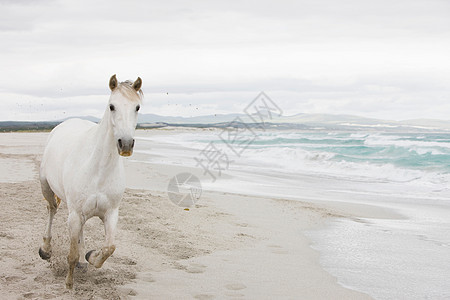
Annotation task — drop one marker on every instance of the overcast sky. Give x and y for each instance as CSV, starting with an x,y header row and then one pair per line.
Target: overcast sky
x,y
384,59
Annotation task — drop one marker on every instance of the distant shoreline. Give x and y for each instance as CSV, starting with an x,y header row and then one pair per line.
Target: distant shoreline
x,y
45,126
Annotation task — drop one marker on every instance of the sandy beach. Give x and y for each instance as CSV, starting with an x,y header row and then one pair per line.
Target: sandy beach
x,y
228,246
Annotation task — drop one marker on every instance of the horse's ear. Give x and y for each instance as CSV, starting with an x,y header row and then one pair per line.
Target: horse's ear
x,y
137,84
113,82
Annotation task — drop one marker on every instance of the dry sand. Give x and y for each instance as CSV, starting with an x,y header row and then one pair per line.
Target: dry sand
x,y
228,246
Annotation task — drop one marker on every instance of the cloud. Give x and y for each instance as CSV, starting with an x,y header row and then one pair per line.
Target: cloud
x,y
320,56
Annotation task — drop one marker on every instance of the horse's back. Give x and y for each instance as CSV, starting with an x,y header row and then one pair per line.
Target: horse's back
x,y
61,143
69,130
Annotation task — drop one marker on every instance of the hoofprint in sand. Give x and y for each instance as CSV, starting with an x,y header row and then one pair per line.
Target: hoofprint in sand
x,y
229,245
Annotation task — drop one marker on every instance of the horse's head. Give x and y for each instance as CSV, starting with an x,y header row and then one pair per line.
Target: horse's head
x,y
123,106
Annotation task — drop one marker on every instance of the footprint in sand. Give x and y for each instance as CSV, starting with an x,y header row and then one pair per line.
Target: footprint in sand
x,y
29,295
235,286
32,295
128,291
195,268
124,261
280,251
14,279
147,277
277,249
204,297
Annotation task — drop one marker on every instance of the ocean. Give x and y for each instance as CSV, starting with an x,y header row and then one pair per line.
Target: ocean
x,y
415,159
407,151
407,172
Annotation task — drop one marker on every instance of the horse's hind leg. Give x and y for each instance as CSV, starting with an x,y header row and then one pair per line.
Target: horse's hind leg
x,y
45,251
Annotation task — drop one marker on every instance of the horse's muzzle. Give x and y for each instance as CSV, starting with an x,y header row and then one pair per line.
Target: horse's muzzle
x,y
125,146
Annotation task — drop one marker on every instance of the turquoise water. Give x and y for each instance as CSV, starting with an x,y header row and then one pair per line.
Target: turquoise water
x,y
372,155
429,152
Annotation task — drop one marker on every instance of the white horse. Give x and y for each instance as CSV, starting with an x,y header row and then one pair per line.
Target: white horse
x,y
82,166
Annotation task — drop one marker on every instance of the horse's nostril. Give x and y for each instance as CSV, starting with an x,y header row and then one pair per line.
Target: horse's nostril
x,y
120,143
132,145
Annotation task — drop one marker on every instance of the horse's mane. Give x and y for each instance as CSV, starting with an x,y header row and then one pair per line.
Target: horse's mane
x,y
126,89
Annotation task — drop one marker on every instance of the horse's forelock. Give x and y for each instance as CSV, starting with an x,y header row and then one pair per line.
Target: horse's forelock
x,y
126,89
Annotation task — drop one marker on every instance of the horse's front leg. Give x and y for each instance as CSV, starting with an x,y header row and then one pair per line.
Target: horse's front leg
x,y
98,257
75,225
82,264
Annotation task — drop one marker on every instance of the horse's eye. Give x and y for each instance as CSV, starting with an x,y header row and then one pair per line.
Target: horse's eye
x,y
138,107
111,107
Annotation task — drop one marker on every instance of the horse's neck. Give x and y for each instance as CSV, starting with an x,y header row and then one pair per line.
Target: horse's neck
x,y
105,149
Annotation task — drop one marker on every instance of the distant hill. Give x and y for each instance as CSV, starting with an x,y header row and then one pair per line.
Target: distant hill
x,y
26,126
37,125
356,121
343,122
298,121
427,123
88,118
208,119
329,119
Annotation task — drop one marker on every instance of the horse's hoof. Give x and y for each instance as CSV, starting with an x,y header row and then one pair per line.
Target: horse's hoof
x,y
88,255
44,255
69,285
